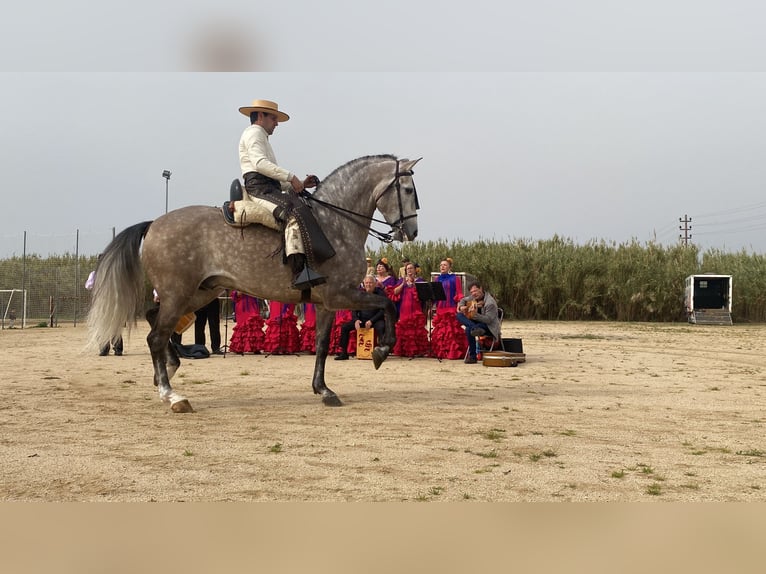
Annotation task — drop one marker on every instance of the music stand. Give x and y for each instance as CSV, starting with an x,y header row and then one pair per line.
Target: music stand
x,y
430,293
226,299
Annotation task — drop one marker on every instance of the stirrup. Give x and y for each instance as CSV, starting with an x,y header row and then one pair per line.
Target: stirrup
x,y
307,279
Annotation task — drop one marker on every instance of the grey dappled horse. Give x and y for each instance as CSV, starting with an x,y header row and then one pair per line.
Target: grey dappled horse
x,y
190,255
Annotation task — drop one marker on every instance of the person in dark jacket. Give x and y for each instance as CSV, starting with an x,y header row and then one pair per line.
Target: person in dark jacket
x,y
368,318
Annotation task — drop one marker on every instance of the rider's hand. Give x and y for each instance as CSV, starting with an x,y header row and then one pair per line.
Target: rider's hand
x,y
311,181
297,184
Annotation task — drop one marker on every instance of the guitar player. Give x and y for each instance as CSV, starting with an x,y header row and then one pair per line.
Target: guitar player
x,y
478,314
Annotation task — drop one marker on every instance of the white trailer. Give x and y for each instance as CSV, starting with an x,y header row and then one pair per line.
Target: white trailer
x,y
708,299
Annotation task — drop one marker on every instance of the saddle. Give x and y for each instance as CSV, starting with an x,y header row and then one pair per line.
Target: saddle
x,y
315,242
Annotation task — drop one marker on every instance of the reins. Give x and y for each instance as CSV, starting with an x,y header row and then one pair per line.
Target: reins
x,y
349,214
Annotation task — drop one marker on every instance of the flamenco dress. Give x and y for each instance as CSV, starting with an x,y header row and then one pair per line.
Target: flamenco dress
x,y
282,335
308,332
448,340
411,332
247,335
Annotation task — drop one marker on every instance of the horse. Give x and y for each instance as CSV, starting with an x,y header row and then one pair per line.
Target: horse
x,y
190,255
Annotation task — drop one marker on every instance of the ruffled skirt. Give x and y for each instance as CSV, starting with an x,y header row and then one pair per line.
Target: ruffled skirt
x,y
282,336
448,336
248,336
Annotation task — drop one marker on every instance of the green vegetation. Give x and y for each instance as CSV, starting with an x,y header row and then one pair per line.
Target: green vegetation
x,y
655,489
555,279
551,279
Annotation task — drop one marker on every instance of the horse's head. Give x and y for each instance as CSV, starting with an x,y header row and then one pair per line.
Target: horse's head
x,y
398,201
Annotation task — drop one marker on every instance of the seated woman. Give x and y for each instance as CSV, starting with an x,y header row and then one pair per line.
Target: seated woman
x,y
411,332
247,335
447,337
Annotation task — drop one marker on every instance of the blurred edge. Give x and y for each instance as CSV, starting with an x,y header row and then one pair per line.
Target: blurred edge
x,y
385,537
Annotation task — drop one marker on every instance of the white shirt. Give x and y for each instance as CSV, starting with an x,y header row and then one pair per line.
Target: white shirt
x,y
256,154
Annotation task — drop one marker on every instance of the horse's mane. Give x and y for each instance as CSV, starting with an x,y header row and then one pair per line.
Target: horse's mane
x,y
352,164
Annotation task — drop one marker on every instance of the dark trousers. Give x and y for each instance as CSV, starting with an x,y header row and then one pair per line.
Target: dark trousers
x,y
346,328
470,326
210,314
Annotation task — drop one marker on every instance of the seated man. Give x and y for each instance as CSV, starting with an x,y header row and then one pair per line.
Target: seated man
x,y
478,314
370,318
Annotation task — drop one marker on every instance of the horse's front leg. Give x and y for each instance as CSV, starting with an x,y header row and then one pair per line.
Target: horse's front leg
x,y
325,321
380,353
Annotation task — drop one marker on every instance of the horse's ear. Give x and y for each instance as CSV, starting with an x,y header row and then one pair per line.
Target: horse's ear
x,y
408,164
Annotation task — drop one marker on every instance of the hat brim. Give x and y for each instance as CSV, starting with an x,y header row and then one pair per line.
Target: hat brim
x,y
247,110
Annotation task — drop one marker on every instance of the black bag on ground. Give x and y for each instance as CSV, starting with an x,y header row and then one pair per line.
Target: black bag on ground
x,y
192,351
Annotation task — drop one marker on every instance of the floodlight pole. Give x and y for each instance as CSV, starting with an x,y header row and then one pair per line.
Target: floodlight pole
x,y
166,174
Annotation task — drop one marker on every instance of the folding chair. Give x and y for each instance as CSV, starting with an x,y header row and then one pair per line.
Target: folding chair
x,y
488,342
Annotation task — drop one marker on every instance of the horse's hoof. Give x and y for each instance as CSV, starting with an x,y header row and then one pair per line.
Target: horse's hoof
x,y
183,406
379,355
332,401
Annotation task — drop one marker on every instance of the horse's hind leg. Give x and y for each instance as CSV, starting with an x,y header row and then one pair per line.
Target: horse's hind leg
x,y
162,353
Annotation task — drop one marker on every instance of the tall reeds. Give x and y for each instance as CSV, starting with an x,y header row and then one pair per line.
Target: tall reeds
x,y
600,280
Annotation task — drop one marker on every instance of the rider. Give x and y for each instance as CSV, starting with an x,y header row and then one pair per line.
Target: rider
x,y
265,181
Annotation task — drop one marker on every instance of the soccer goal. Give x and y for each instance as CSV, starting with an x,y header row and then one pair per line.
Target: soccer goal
x,y
13,304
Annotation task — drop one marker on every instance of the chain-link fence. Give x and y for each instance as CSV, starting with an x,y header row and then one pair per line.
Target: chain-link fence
x,y
48,290
44,292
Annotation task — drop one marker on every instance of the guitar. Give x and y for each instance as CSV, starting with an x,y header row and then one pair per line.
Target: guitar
x,y
472,307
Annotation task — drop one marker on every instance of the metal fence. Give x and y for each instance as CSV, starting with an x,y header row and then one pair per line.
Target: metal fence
x,y
47,292
49,289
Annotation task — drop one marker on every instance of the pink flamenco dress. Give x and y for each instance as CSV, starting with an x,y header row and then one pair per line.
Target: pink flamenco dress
x,y
411,331
308,332
448,339
282,337
247,335
341,317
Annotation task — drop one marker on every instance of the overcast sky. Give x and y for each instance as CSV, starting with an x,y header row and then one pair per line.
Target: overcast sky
x,y
592,132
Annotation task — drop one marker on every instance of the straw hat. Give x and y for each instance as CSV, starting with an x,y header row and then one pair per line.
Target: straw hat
x,y
264,106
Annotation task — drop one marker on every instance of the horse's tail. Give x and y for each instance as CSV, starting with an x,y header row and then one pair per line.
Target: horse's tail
x,y
118,292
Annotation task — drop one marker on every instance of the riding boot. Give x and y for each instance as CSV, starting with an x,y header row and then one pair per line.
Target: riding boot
x,y
228,212
304,277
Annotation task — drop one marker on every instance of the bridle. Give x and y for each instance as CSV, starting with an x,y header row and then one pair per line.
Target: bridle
x,y
397,225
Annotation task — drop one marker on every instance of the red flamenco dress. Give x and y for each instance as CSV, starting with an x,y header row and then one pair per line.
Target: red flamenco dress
x,y
247,335
282,337
448,339
308,333
411,332
341,317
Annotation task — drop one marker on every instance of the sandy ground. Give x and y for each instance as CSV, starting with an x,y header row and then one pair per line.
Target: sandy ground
x,y
599,412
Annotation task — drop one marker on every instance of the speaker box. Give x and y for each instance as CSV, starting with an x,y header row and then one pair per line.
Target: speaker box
x,y
513,345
